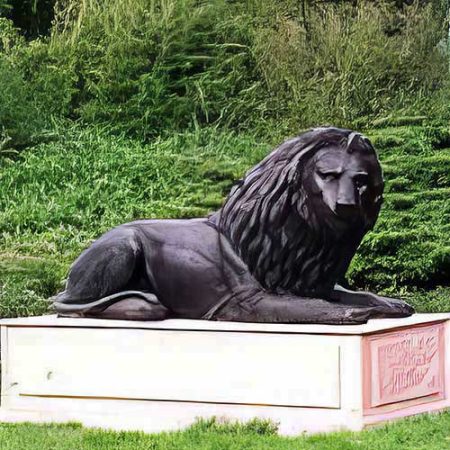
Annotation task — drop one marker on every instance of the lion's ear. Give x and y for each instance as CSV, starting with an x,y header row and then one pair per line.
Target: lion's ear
x,y
353,142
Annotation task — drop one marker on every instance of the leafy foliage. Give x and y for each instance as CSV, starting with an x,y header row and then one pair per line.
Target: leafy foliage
x,y
35,89
145,66
409,245
352,63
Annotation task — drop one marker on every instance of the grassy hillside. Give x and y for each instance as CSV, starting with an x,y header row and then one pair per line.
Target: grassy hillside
x,y
57,197
127,109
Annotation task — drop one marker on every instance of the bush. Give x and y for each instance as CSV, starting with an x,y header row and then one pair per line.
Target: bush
x,y
409,245
19,116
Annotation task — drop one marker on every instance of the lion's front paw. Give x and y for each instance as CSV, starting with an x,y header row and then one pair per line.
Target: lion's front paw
x,y
392,307
383,310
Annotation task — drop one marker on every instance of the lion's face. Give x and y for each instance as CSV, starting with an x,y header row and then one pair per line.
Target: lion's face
x,y
347,183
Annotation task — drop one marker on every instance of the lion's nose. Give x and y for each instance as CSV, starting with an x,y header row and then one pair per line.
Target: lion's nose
x,y
347,199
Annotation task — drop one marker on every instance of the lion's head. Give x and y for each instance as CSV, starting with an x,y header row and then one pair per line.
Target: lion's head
x,y
297,217
342,180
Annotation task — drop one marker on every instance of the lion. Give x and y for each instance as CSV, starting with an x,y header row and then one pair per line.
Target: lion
x,y
275,252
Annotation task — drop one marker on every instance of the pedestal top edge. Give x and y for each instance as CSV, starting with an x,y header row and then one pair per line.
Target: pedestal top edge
x,y
372,326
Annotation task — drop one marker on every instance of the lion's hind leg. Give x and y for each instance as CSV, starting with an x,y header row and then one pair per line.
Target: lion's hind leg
x,y
105,281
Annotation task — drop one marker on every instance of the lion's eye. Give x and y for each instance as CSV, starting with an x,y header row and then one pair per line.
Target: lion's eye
x,y
329,175
361,180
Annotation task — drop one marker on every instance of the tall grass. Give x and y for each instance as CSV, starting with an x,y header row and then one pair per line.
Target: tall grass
x,y
351,64
145,66
150,65
169,63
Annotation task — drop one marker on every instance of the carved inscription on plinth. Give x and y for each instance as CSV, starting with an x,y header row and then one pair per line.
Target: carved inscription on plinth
x,y
404,365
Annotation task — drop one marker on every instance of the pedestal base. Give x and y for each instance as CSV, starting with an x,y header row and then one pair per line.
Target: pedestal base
x,y
159,376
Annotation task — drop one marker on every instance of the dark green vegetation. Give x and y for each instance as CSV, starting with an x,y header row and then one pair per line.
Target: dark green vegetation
x,y
426,432
410,245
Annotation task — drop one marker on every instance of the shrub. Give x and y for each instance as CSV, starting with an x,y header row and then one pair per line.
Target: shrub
x,y
16,104
409,245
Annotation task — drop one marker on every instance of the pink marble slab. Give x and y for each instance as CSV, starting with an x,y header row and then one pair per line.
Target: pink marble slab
x,y
403,365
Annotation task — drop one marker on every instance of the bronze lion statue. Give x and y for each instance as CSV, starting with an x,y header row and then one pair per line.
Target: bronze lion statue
x,y
274,252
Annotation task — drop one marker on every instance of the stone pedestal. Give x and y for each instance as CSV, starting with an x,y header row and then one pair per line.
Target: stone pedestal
x,y
156,376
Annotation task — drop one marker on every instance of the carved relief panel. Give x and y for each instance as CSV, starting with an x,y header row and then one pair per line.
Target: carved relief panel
x,y
404,365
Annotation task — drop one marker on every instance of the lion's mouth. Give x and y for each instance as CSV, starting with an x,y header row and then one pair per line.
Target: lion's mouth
x,y
347,211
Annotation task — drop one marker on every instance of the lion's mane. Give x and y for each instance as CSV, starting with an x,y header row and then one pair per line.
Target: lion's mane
x,y
274,226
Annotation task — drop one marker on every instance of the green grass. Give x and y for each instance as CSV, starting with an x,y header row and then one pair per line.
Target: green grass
x,y
430,432
146,66
56,197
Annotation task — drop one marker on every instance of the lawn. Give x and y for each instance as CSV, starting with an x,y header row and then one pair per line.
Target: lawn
x,y
431,432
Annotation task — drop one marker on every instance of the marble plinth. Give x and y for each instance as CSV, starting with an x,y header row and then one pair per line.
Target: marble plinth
x,y
156,376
